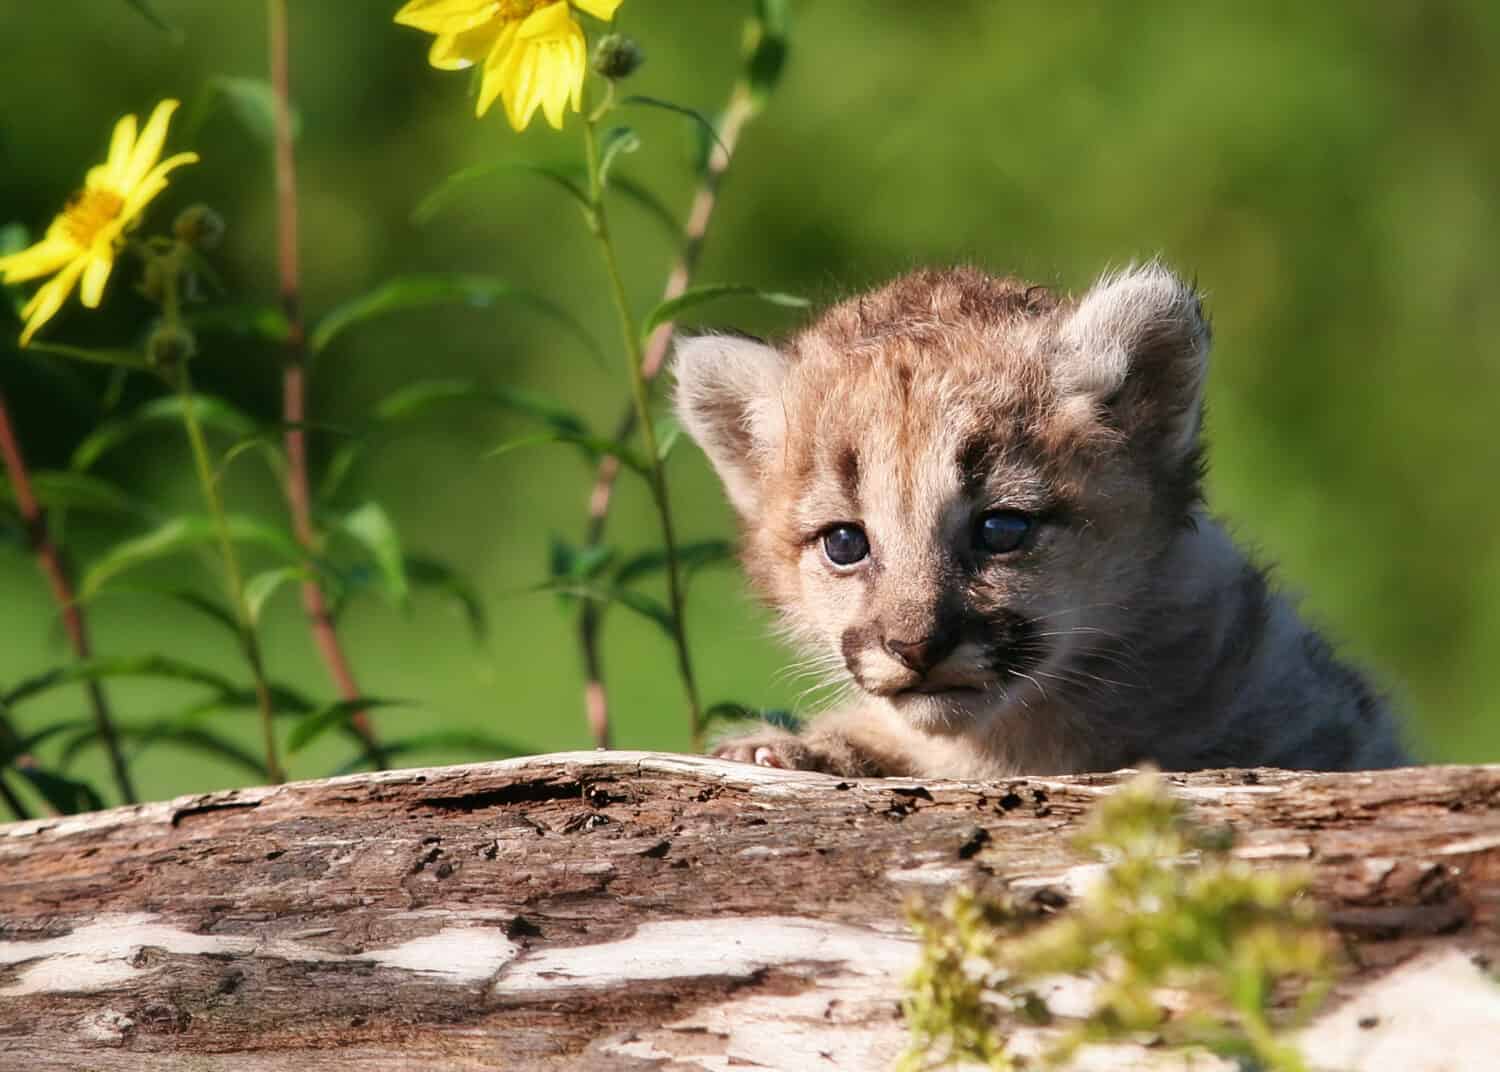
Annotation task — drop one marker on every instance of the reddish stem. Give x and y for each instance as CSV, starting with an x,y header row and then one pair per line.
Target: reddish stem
x,y
294,379
49,559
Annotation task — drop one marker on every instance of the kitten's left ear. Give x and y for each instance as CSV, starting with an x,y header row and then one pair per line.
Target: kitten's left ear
x,y
1138,344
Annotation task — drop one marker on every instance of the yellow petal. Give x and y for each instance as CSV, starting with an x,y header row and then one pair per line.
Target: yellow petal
x,y
600,9
454,52
447,16
45,303
547,21
148,148
44,258
94,278
520,90
561,65
497,68
120,146
151,184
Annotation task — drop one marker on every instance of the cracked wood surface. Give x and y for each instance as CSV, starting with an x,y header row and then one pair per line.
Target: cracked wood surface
x,y
612,910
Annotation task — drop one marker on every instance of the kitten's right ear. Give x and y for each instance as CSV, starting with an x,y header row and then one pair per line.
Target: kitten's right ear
x,y
729,400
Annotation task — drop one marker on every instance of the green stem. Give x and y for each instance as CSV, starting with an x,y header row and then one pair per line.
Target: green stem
x,y
598,222
208,481
248,638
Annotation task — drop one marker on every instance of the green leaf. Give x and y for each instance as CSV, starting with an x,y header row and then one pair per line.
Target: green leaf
x,y
181,534
690,558
371,527
405,293
148,11
266,445
617,140
417,399
460,181
432,573
310,727
211,412
195,739
482,745
668,432
78,491
207,606
251,101
678,109
155,666
652,610
67,795
766,47
260,588
597,447
119,357
252,319
669,310
654,206
733,713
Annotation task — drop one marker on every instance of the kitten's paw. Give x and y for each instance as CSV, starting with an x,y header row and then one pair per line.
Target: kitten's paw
x,y
769,750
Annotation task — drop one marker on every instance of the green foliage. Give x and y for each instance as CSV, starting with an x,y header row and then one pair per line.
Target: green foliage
x,y
1172,912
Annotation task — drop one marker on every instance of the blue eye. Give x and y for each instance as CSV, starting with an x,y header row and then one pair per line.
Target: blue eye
x,y
1002,531
845,545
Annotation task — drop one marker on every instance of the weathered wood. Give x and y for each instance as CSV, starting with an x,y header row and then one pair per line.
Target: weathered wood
x,y
635,910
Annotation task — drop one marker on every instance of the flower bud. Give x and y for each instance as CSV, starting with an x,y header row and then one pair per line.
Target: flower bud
x,y
169,345
199,226
617,56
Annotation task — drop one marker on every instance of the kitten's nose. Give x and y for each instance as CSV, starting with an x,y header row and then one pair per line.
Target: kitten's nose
x,y
921,655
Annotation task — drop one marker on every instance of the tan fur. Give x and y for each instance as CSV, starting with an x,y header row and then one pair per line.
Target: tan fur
x,y
1128,628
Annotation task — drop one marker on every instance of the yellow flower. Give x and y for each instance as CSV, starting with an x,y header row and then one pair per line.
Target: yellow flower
x,y
533,51
83,241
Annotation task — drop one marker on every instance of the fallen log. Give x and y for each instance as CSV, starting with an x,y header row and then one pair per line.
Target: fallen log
x,y
614,910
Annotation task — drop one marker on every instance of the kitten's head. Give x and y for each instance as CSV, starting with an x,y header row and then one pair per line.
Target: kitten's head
x,y
954,488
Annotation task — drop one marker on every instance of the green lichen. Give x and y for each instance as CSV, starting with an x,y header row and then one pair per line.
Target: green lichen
x,y
1185,945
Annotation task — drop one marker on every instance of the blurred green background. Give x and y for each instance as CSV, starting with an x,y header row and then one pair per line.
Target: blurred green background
x,y
1327,172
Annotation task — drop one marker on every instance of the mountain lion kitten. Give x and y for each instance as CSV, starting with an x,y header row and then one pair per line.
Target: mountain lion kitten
x,y
980,504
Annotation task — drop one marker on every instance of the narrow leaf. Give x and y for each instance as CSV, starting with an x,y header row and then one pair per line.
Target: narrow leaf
x,y
251,101
597,446
118,357
460,181
371,527
180,534
690,557
668,432
669,310
78,491
617,140
195,739
149,13
432,573
67,795
211,412
255,320
654,206
154,666
310,727
480,745
678,109
406,293
651,609
260,588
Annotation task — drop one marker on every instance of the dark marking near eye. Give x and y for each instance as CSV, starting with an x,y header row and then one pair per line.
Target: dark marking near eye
x,y
848,473
975,459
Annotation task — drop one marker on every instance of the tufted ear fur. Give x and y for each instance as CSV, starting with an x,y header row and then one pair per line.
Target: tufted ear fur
x,y
729,400
1137,342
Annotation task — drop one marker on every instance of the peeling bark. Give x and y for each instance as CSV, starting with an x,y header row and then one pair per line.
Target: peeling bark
x,y
617,910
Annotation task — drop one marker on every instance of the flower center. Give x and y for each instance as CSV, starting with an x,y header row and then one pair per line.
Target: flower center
x,y
89,213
